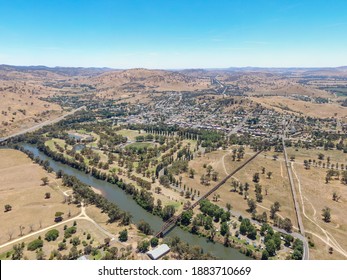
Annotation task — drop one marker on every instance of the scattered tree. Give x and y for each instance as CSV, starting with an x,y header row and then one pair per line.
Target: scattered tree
x,y
326,213
8,207
123,235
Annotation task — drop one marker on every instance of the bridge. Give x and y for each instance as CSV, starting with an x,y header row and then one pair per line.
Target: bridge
x,y
172,221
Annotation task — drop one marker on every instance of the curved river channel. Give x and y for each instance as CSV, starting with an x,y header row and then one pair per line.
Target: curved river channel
x,y
126,203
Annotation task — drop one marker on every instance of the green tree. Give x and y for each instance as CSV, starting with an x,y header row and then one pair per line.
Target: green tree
x,y
69,232
265,255
287,225
191,173
186,217
228,206
35,244
18,250
142,246
8,207
224,228
168,212
270,247
154,242
256,177
164,180
326,213
75,241
251,205
52,235
144,227
123,235
61,246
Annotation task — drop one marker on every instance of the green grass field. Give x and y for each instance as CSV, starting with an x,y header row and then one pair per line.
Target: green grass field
x,y
131,134
139,145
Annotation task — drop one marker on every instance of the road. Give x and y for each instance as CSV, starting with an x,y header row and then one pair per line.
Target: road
x,y
238,127
40,125
222,86
295,200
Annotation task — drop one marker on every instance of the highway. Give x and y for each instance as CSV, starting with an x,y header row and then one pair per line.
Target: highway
x,y
40,125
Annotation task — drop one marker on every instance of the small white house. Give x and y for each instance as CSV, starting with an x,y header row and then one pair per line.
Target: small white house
x,y
158,252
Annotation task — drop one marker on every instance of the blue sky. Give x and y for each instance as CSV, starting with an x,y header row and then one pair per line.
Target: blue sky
x,y
173,33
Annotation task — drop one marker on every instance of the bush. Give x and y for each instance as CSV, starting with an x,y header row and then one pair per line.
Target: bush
x,y
61,246
69,232
142,246
52,235
123,235
154,242
33,245
144,227
75,241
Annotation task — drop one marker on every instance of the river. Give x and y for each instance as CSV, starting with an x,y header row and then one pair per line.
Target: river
x,y
126,203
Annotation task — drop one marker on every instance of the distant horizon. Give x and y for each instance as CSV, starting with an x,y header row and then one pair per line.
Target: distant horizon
x,y
189,68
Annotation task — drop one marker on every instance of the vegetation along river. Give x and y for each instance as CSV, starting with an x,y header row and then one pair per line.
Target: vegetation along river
x,y
126,203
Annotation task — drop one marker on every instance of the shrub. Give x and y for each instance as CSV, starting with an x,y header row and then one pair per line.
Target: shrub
x,y
33,245
154,242
69,232
123,235
52,235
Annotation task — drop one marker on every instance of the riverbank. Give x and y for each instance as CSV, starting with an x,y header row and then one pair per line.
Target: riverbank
x,y
126,203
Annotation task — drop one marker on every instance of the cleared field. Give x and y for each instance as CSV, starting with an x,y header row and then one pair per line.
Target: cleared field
x,y
304,154
21,187
320,251
21,111
314,194
306,108
275,188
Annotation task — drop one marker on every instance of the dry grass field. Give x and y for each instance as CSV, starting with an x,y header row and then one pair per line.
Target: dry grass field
x,y
19,112
277,187
314,195
83,228
302,107
21,187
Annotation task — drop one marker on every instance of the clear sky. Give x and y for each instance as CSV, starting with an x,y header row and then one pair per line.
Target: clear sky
x,y
173,33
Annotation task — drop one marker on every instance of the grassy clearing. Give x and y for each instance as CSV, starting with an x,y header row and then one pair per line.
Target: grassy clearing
x,y
131,134
21,187
304,154
60,142
139,145
317,195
